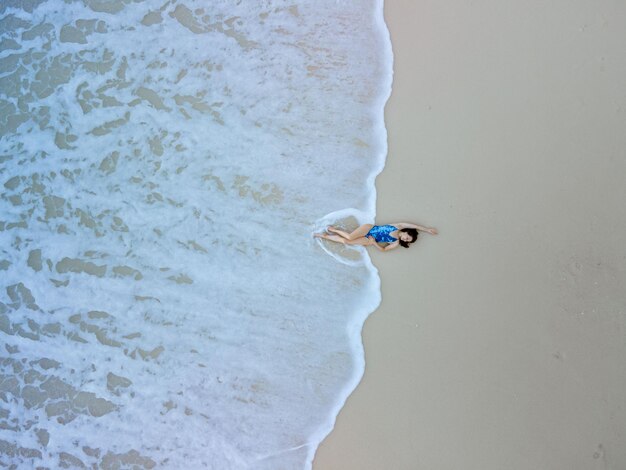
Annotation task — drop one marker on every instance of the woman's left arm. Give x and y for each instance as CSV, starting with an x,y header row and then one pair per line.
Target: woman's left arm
x,y
375,243
391,246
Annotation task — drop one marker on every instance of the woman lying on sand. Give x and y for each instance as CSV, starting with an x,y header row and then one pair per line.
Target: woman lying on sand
x,y
397,234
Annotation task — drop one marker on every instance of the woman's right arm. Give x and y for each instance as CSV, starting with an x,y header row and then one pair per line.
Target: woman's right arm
x,y
431,230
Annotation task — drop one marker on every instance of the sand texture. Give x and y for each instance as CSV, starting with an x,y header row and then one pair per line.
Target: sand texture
x,y
501,343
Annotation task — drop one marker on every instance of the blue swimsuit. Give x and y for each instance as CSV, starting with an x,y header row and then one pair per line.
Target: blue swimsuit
x,y
381,233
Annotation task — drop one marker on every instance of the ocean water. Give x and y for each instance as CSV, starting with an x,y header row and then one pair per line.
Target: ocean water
x,y
163,165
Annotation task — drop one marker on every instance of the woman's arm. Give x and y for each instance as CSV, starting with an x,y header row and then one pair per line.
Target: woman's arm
x,y
431,230
390,246
375,243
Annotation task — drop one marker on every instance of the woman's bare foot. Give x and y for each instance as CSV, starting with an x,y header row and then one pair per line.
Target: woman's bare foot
x,y
331,229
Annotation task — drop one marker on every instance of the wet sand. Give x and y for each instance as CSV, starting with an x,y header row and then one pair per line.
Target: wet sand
x,y
500,343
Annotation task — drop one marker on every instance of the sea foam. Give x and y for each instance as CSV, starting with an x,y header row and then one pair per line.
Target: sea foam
x,y
163,167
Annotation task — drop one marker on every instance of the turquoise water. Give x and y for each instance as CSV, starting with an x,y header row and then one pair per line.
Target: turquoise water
x,y
163,165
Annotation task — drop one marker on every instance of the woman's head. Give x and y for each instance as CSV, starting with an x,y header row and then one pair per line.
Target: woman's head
x,y
406,236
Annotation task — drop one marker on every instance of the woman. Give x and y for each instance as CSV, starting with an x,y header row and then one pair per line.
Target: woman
x,y
394,235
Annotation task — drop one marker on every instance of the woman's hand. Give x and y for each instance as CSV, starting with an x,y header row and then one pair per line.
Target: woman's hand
x,y
373,242
432,231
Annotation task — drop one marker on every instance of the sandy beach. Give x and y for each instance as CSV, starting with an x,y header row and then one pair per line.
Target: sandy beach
x,y
500,343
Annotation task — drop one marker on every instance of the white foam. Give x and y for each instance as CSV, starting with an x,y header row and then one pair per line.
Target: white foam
x,y
157,239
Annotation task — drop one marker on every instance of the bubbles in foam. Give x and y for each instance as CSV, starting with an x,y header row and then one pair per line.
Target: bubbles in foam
x,y
345,219
162,302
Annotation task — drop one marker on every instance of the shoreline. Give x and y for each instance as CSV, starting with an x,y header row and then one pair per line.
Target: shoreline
x,y
498,343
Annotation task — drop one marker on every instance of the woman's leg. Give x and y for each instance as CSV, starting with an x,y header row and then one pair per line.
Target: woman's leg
x,y
335,238
359,241
345,241
358,233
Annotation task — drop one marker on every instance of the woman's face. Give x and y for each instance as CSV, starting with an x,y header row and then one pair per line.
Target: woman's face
x,y
405,237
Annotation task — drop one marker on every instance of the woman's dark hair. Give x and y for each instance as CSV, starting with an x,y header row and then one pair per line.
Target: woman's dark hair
x,y
410,231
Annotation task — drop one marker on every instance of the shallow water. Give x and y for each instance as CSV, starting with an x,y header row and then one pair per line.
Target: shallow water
x,y
163,166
